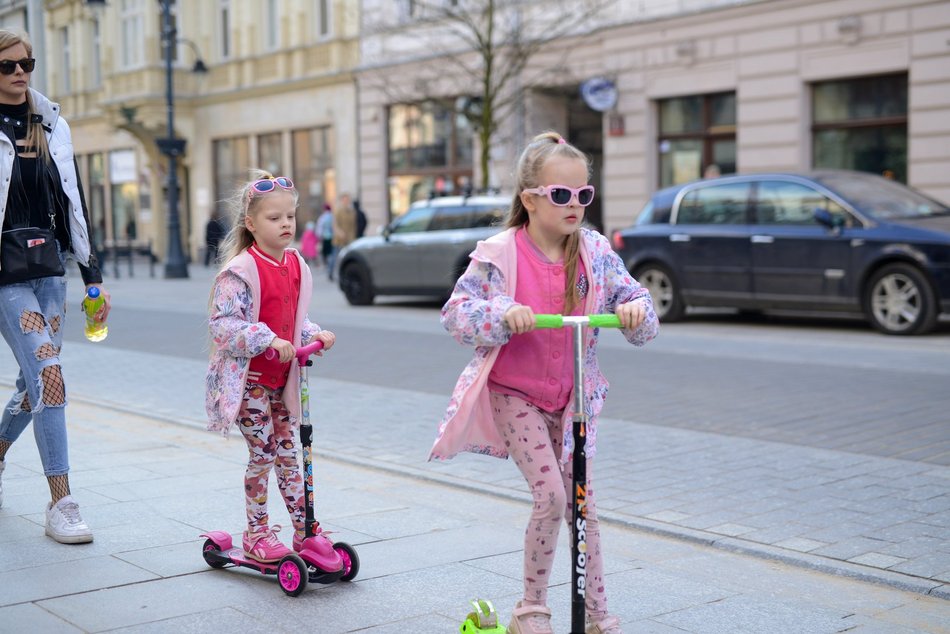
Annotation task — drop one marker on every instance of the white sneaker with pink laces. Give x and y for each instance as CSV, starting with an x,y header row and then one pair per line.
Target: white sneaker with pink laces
x,y
265,547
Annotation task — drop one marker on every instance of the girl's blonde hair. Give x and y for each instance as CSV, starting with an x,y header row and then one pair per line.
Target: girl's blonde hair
x,y
241,205
537,153
35,135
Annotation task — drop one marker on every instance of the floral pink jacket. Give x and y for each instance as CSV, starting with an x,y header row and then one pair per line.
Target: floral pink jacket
x,y
474,316
237,336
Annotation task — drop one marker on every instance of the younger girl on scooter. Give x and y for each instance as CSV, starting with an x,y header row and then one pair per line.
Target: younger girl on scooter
x,y
513,398
259,301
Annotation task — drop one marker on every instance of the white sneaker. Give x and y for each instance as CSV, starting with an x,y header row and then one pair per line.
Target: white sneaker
x,y
2,465
65,524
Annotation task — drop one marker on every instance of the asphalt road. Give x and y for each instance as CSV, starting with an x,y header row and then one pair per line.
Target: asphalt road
x,y
824,383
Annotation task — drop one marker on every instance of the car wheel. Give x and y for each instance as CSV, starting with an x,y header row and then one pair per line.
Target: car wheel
x,y
356,284
667,301
899,301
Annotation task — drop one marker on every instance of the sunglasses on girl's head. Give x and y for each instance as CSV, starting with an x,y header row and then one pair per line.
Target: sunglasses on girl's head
x,y
265,185
561,195
8,66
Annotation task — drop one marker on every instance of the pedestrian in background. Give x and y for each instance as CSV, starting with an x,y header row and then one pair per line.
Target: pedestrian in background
x,y
259,301
325,232
344,228
39,181
361,220
214,233
308,244
513,398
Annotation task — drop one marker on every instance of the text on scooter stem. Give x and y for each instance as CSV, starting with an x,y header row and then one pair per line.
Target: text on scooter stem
x,y
580,499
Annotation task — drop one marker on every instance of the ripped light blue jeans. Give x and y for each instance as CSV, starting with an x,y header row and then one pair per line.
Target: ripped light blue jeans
x,y
32,316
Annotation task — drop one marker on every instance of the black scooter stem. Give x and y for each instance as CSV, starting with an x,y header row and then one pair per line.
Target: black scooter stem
x,y
579,486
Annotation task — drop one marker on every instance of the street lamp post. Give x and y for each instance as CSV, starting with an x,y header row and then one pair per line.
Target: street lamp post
x,y
175,265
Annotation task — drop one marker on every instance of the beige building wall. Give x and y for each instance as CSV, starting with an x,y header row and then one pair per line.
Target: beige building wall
x,y
768,52
288,73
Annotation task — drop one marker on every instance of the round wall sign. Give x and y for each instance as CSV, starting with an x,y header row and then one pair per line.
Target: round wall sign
x,y
599,93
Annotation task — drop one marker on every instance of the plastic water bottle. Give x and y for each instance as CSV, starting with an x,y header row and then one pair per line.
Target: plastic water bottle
x,y
91,303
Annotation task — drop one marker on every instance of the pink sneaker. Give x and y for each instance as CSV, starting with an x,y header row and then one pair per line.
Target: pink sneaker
x,y
530,619
608,625
317,532
265,547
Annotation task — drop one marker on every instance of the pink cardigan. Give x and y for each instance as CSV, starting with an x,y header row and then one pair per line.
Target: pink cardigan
x,y
237,335
474,315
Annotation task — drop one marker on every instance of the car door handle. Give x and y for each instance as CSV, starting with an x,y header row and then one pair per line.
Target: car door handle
x,y
762,239
679,237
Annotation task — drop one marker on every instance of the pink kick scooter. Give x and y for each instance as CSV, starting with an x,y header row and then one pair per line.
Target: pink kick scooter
x,y
320,560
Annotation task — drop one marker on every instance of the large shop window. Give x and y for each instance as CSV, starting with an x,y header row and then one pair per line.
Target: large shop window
x,y
314,172
430,152
95,180
232,158
861,124
696,132
270,153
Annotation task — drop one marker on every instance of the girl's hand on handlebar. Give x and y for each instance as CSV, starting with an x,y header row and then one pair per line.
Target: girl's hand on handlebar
x,y
285,349
631,314
328,339
520,319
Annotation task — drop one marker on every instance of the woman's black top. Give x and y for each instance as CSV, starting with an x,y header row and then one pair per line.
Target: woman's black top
x,y
35,197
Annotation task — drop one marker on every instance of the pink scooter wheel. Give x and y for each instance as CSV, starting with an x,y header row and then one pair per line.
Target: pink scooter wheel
x,y
351,561
292,575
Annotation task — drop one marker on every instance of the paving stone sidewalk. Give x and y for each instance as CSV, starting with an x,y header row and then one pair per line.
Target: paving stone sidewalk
x,y
148,487
864,516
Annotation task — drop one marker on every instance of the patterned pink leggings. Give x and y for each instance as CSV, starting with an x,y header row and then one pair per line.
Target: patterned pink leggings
x,y
272,443
533,437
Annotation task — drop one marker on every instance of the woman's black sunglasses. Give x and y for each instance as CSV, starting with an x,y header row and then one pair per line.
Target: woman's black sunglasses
x,y
8,66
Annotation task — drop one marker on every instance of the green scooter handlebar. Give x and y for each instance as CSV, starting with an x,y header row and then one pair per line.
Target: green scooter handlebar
x,y
594,321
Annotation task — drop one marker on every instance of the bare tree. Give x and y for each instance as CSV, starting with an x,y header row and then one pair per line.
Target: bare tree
x,y
489,45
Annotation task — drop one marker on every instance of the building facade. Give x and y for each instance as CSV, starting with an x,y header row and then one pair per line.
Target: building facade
x,y
382,98
748,86
276,94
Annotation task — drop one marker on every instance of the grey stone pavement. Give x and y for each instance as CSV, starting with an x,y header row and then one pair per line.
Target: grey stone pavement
x,y
704,532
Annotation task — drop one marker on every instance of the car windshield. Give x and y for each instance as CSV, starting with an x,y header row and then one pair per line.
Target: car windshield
x,y
882,198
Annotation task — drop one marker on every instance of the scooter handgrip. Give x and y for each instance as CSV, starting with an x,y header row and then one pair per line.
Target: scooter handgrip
x,y
549,321
604,321
302,352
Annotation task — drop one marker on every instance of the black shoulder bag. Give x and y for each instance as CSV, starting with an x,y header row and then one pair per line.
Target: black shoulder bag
x,y
28,253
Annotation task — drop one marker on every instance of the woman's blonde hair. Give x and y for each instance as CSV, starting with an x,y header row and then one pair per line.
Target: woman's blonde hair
x,y
537,153
241,205
35,135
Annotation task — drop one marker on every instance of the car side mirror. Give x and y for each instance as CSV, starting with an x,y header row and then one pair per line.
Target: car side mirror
x,y
824,217
385,232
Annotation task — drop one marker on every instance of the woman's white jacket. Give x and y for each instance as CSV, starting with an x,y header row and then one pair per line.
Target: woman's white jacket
x,y
61,150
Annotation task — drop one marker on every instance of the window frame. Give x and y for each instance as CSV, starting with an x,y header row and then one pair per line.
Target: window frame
x,y
66,66
223,22
881,123
132,34
707,135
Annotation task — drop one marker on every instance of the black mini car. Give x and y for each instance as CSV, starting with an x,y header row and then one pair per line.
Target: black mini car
x,y
824,240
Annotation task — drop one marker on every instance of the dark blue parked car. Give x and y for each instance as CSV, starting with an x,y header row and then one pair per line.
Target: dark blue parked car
x,y
823,240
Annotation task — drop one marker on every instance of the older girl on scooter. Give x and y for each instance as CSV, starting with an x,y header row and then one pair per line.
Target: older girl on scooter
x,y
513,398
259,301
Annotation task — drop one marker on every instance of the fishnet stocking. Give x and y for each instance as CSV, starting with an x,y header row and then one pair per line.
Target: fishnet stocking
x,y
58,487
54,390
4,446
46,351
31,321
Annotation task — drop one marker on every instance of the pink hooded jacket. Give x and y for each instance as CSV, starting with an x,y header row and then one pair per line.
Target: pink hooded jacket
x,y
474,315
237,335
